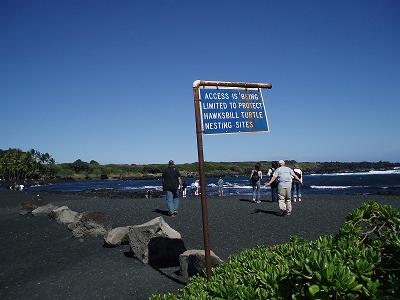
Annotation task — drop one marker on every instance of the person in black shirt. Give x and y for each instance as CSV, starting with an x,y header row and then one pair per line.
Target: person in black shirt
x,y
172,183
274,185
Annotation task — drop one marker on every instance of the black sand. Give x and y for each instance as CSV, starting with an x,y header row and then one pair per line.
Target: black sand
x,y
40,259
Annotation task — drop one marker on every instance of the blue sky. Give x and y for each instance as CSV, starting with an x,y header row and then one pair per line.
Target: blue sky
x,y
112,80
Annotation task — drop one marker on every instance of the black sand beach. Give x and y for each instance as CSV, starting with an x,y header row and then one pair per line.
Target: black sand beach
x,y
40,259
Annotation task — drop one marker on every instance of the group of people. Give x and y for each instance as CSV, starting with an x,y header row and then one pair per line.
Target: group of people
x,y
285,184
17,187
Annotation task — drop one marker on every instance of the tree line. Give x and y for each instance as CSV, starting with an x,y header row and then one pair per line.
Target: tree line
x,y
16,164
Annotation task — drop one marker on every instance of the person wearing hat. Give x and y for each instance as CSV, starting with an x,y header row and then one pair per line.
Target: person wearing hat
x,y
172,183
284,176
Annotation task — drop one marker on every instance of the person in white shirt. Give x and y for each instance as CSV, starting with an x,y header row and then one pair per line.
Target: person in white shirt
x,y
285,176
196,187
296,184
255,180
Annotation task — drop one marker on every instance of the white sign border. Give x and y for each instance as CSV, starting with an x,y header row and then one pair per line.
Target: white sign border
x,y
232,88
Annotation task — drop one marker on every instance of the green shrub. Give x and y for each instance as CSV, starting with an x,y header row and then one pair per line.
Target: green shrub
x,y
360,262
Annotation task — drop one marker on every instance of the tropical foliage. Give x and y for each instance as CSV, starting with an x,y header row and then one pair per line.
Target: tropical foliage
x,y
16,164
361,262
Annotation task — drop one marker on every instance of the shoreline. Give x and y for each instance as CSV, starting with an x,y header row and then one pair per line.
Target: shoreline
x,y
41,259
114,193
214,174
138,187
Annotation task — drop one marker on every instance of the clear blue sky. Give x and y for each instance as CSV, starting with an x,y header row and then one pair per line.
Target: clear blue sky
x,y
112,80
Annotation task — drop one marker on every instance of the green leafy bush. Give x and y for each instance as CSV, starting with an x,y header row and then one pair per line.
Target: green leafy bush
x,y
360,262
16,164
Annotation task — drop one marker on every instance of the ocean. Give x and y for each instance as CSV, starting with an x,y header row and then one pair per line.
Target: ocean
x,y
372,182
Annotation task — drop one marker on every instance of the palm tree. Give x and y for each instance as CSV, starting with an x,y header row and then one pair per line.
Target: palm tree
x,y
16,164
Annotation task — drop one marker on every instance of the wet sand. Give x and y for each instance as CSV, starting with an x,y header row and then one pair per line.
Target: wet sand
x,y
40,259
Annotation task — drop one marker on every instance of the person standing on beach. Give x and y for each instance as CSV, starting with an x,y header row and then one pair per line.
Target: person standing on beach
x,y
284,176
255,180
296,185
172,183
274,185
184,186
196,187
220,187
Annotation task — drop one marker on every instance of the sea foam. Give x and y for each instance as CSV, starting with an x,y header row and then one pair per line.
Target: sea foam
x,y
335,187
146,187
371,172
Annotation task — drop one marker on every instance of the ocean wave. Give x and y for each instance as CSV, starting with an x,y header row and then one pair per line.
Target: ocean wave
x,y
235,185
145,187
335,187
371,172
39,186
390,187
45,184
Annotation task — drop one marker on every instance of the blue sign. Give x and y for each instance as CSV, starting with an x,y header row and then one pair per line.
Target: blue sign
x,y
232,111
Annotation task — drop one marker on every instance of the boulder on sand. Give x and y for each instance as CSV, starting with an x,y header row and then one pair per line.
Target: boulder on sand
x,y
193,261
94,224
28,206
63,215
44,209
156,243
117,236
